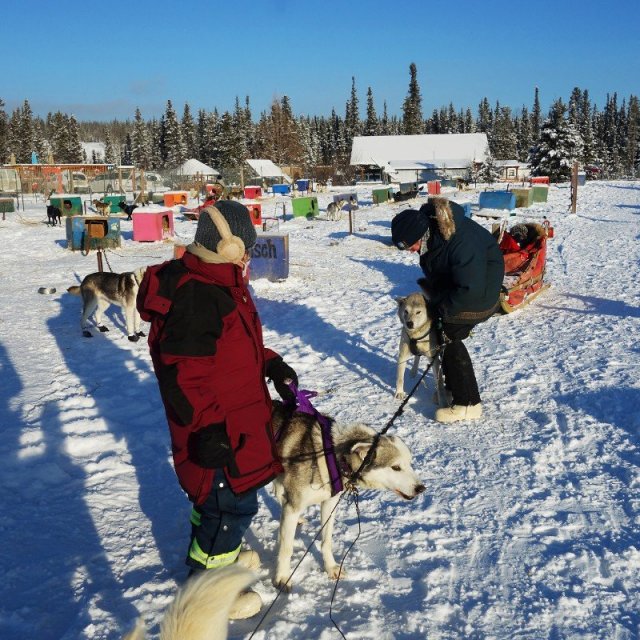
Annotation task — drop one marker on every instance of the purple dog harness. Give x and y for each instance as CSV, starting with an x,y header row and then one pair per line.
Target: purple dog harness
x,y
304,406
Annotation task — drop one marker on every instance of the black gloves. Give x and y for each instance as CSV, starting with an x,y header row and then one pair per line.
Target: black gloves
x,y
278,371
210,447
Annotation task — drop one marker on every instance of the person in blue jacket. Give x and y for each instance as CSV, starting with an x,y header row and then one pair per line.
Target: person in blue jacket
x,y
463,272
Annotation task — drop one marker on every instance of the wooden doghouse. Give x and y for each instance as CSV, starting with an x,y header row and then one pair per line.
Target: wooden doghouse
x,y
151,224
92,232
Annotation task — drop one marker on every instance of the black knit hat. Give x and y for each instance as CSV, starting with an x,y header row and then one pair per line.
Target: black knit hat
x,y
408,227
238,218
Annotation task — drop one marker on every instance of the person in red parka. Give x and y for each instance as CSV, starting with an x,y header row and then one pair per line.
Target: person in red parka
x,y
207,351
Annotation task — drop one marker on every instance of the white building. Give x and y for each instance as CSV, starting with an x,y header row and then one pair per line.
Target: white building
x,y
419,158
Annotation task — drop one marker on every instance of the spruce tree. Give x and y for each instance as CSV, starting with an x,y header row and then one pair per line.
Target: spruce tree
x,y
384,122
4,134
504,140
140,150
371,124
74,146
484,123
188,130
488,172
632,138
352,116
25,142
536,117
110,153
525,136
412,122
173,141
559,146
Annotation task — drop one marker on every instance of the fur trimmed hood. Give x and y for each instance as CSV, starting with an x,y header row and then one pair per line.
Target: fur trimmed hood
x,y
440,210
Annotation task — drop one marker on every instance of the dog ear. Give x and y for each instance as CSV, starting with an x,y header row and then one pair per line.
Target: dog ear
x,y
399,300
361,449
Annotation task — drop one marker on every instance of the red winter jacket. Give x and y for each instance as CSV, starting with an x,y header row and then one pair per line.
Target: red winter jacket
x,y
207,351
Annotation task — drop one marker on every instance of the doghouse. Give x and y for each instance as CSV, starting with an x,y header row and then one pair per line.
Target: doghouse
x,y
307,206
381,196
252,191
539,180
172,198
255,210
6,205
151,224
92,232
524,197
540,192
302,185
282,189
69,205
433,187
497,200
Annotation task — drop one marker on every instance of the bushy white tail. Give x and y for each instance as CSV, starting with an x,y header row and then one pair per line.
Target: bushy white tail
x,y
200,610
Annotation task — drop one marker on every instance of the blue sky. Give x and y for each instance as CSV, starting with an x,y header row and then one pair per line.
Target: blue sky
x,y
100,60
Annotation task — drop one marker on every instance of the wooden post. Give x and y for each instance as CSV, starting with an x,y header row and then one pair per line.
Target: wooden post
x,y
574,187
351,220
99,254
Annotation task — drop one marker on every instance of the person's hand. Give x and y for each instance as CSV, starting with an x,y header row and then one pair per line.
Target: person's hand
x,y
281,374
210,446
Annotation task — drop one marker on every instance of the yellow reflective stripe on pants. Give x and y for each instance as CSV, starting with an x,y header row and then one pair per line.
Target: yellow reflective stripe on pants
x,y
212,562
195,517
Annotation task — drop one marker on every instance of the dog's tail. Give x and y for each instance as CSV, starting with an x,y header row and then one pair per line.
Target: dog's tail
x,y
75,290
200,610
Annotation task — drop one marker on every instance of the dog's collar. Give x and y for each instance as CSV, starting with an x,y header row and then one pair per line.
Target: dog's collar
x,y
413,342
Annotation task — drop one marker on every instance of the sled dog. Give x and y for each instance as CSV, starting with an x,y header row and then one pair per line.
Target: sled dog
x,y
53,215
334,210
200,610
99,290
305,480
127,208
103,208
418,338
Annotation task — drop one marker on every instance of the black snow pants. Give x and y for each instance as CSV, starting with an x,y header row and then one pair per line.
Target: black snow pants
x,y
459,376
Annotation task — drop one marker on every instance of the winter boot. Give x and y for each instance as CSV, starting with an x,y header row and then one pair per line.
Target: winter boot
x,y
459,412
247,604
249,559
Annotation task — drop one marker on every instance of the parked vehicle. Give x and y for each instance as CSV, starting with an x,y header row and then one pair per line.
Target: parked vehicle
x,y
110,182
75,182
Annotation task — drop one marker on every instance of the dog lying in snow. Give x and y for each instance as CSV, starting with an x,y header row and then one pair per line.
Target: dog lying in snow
x,y
101,289
305,480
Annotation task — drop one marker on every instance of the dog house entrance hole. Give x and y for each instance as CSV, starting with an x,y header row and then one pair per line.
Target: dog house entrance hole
x,y
97,228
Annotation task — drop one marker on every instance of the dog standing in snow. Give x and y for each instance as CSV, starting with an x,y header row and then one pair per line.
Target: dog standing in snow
x,y
306,481
100,290
418,338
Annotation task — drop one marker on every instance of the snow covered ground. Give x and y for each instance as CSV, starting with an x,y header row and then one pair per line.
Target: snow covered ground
x,y
529,527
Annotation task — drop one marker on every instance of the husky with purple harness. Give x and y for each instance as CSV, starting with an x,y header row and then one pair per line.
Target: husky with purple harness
x,y
317,457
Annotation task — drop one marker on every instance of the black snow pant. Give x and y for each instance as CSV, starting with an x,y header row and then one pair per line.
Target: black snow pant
x,y
459,376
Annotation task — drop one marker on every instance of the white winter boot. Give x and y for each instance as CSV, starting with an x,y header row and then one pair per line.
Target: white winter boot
x,y
247,604
459,412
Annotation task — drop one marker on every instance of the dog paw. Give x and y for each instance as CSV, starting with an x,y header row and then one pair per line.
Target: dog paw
x,y
281,584
103,328
134,338
334,572
400,395
87,334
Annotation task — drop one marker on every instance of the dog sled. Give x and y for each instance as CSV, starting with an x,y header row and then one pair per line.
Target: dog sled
x,y
524,249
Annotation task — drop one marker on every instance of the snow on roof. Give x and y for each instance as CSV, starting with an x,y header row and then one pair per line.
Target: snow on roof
x,y
192,167
441,149
267,169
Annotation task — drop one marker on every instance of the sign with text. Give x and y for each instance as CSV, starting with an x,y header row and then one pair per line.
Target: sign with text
x,y
270,257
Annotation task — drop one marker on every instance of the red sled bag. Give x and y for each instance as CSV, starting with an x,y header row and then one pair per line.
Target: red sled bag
x,y
524,249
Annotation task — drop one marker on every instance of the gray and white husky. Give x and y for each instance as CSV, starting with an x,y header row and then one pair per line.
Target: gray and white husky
x,y
101,289
418,338
305,480
334,210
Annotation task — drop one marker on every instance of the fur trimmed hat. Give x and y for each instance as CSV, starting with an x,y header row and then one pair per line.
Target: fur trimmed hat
x,y
407,227
238,219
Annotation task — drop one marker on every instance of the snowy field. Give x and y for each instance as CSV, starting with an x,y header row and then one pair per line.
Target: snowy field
x,y
529,527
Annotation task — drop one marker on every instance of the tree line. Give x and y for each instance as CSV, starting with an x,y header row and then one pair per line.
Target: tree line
x,y
576,130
